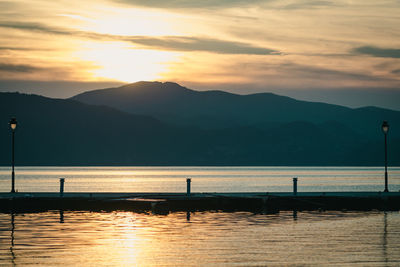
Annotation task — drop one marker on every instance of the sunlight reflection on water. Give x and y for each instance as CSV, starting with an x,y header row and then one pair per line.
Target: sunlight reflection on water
x,y
204,239
204,179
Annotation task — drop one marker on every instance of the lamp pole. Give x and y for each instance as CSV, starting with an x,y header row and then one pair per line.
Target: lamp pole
x,y
385,129
13,125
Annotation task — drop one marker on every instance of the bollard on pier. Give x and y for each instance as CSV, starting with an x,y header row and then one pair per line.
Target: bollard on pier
x,y
62,180
188,181
295,186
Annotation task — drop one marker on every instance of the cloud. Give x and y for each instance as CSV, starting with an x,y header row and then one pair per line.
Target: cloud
x,y
212,4
181,43
32,27
377,52
17,48
174,43
303,72
314,72
7,6
181,4
41,28
18,68
307,4
276,74
14,48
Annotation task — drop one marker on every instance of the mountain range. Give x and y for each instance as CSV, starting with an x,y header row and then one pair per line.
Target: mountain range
x,y
153,123
175,104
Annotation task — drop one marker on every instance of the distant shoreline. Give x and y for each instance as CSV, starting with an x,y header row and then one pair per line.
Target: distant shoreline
x,y
210,166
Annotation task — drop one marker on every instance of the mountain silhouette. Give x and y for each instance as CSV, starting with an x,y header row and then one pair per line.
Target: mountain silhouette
x,y
175,104
66,132
70,133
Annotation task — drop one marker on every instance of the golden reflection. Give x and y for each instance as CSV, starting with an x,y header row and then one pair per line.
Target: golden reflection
x,y
384,237
13,257
128,237
211,238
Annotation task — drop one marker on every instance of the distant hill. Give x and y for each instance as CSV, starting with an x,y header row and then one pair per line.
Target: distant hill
x,y
68,132
175,104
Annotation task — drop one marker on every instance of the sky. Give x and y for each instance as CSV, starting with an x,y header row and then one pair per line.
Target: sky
x,y
342,52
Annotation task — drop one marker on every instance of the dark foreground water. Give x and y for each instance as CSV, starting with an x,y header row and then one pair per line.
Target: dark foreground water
x,y
200,239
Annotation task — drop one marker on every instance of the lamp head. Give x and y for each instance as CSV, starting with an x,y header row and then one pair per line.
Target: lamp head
x,y
13,123
385,127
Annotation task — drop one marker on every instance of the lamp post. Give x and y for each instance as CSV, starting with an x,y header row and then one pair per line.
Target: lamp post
x,y
13,125
385,129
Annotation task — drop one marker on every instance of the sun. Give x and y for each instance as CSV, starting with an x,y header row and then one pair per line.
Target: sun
x,y
120,61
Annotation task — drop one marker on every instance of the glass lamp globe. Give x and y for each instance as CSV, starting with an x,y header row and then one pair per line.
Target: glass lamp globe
x,y
385,127
13,124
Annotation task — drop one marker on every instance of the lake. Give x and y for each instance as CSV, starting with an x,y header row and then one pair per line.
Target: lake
x,y
57,238
204,179
211,238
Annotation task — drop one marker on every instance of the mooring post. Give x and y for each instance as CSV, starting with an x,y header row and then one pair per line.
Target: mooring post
x,y
62,180
295,186
188,181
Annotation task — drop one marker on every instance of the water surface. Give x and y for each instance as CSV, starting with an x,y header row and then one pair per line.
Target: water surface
x,y
73,238
204,179
200,239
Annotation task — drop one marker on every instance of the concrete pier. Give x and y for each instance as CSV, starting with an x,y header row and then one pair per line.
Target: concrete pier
x,y
251,201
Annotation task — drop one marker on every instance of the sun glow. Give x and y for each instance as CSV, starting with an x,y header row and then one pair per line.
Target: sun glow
x,y
119,61
132,22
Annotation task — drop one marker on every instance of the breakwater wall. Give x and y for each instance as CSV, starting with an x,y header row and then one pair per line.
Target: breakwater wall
x,y
166,202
